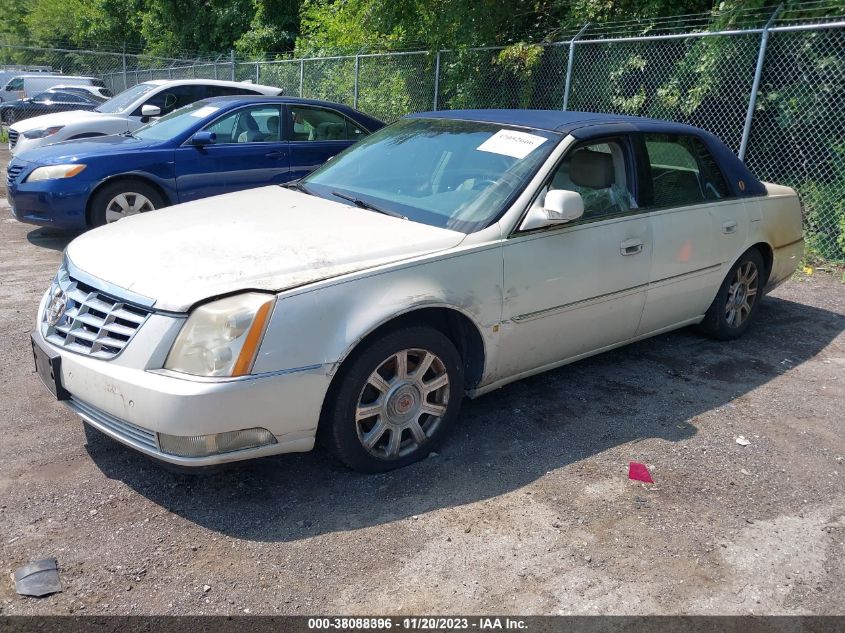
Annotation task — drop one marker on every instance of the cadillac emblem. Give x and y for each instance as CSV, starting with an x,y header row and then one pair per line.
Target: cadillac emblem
x,y
56,308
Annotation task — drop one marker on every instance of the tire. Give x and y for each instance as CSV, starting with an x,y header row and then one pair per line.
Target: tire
x,y
137,197
399,431
736,303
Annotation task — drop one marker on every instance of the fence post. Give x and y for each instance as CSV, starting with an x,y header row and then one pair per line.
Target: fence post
x,y
436,79
257,71
301,75
232,61
355,86
215,66
125,77
569,63
755,86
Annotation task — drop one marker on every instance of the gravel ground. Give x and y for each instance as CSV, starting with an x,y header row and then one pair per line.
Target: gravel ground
x,y
527,509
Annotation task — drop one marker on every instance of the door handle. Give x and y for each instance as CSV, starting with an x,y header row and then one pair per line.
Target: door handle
x,y
274,154
729,227
631,247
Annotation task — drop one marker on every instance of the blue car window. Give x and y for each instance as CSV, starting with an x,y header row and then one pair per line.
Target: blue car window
x,y
176,123
318,124
256,124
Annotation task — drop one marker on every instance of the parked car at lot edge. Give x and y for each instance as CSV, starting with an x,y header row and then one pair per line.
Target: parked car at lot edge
x,y
101,93
25,85
126,112
210,147
8,72
447,254
48,102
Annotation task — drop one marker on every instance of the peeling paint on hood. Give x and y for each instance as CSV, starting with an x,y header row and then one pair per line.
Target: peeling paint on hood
x,y
267,239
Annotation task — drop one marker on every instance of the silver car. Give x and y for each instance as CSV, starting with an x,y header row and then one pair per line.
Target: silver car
x,y
445,255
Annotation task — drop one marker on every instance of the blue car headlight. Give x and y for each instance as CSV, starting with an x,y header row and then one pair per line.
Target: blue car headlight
x,y
54,172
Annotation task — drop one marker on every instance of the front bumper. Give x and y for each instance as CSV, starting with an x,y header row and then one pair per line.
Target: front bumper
x,y
59,203
133,405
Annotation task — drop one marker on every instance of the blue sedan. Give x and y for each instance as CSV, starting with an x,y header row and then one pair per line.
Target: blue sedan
x,y
210,147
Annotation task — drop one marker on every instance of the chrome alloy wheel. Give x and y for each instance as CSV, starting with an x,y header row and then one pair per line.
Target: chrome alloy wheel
x,y
402,403
125,204
742,294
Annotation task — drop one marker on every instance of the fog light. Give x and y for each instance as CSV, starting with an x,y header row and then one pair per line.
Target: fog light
x,y
204,445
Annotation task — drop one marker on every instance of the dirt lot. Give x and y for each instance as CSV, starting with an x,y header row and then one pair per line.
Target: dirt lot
x,y
526,510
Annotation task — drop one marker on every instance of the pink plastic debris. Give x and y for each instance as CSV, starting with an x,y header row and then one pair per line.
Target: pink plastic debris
x,y
639,472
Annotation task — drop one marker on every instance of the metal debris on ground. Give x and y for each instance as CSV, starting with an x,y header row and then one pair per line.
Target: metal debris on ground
x,y
39,578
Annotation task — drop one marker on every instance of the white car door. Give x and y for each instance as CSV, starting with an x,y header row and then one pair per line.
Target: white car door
x,y
696,229
579,287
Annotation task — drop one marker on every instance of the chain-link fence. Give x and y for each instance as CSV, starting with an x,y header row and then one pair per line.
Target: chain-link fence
x,y
773,90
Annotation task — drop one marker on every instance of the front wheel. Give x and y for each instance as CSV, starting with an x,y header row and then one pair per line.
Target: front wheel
x,y
122,199
396,400
736,302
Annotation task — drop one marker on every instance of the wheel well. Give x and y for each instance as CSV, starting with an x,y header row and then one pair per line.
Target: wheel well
x,y
110,181
458,327
768,258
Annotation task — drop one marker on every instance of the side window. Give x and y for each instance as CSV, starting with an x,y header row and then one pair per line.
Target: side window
x,y
682,171
68,97
257,124
173,98
15,85
316,124
598,172
228,91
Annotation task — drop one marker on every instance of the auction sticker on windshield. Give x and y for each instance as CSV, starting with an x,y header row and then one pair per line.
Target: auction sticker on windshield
x,y
512,143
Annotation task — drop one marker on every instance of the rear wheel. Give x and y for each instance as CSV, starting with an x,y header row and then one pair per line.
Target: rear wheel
x,y
736,303
396,400
122,199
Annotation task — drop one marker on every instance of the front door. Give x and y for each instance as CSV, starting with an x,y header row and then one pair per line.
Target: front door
x,y
577,288
249,152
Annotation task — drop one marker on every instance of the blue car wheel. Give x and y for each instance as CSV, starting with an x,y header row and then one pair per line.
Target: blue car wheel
x,y
123,198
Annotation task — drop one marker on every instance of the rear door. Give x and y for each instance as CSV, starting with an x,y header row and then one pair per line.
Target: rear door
x,y
694,222
249,152
316,134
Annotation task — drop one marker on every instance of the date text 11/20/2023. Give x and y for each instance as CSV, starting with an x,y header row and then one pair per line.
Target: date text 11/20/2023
x,y
417,623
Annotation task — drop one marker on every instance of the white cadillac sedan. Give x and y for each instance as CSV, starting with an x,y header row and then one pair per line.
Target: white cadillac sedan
x,y
445,255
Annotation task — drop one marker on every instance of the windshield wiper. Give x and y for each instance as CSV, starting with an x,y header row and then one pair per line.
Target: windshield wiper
x,y
128,133
295,185
361,204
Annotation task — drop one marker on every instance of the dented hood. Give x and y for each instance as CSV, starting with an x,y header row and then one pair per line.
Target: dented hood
x,y
267,239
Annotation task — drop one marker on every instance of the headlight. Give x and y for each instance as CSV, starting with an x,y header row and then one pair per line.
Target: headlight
x,y
42,132
54,172
222,338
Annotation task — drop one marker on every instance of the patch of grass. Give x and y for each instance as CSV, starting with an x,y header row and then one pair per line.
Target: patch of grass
x,y
4,135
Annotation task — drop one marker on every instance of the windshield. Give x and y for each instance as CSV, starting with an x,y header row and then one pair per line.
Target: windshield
x,y
175,123
126,98
454,174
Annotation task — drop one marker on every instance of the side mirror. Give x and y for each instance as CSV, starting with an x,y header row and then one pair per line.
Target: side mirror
x,y
559,207
150,111
203,138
